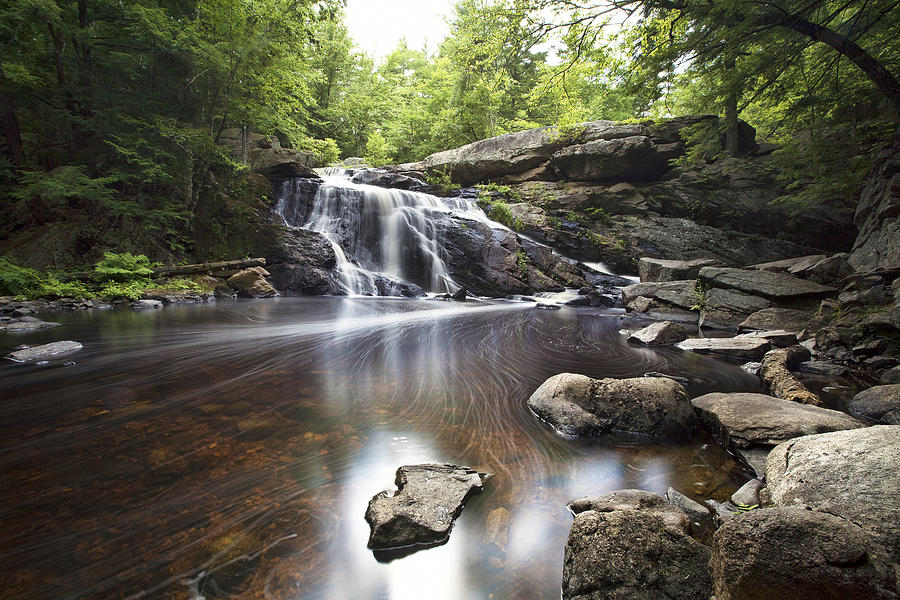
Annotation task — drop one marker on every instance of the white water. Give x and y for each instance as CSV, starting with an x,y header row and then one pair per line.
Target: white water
x,y
380,236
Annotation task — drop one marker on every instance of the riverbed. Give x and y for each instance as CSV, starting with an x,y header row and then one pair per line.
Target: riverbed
x,y
229,450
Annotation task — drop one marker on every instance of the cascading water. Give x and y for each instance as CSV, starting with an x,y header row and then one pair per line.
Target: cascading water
x,y
381,237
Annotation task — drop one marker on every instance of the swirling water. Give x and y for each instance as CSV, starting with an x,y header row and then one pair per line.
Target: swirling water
x,y
230,450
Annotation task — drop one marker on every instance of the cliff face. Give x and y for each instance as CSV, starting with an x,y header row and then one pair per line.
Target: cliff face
x,y
878,244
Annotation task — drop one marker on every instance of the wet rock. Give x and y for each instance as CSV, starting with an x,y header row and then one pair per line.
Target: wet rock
x,y
45,351
428,499
657,269
775,286
145,304
633,544
387,179
742,348
460,295
496,528
775,373
578,405
747,494
781,553
821,367
751,424
880,404
24,326
787,319
850,474
891,376
251,283
591,297
699,514
659,334
779,338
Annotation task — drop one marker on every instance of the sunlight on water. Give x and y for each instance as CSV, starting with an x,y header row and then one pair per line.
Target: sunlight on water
x,y
230,450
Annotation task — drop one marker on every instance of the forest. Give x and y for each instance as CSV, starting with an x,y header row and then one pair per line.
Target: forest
x,y
112,111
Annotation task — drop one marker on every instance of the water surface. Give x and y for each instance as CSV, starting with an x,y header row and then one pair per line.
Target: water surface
x,y
230,450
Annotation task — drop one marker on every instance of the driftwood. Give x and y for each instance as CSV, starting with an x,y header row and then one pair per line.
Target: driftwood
x,y
209,267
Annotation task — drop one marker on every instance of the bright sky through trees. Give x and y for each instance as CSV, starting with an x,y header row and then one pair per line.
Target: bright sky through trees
x,y
378,25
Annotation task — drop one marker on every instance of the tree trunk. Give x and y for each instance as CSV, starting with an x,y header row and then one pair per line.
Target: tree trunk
x,y
732,134
9,125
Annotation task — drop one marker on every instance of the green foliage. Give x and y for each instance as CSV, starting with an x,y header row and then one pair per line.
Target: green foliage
x,y
700,294
63,185
442,180
522,264
325,151
123,267
378,152
29,283
498,210
124,290
496,189
598,214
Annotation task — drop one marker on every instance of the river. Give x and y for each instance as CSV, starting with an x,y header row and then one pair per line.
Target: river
x,y
229,450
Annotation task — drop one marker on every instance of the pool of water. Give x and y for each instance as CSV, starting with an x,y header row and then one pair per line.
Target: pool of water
x,y
230,450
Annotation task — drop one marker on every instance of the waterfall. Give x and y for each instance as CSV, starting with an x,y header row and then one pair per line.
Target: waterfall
x,y
381,237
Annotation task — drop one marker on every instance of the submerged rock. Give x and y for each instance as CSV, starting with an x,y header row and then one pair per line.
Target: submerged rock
x,y
43,352
578,405
23,325
428,499
781,553
632,544
851,474
751,424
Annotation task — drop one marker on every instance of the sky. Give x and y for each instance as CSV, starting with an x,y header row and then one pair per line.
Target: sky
x,y
378,25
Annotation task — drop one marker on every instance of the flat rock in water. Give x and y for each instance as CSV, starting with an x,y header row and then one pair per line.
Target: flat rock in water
x,y
776,286
43,352
578,405
749,423
659,334
788,319
428,499
777,337
880,403
778,553
632,544
821,367
29,325
850,474
743,348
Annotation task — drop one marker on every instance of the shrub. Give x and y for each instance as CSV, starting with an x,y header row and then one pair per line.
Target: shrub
x,y
122,267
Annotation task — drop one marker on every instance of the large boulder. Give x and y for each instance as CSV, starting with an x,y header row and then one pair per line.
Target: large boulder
x,y
788,319
880,403
252,283
751,424
850,474
878,243
633,158
266,156
428,499
301,262
727,309
659,334
633,545
776,286
779,553
578,405
657,269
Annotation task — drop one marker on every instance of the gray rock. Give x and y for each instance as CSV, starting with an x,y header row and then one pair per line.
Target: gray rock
x,y
747,494
633,545
659,334
428,499
578,405
821,367
779,338
43,352
880,404
727,309
891,375
657,269
751,367
742,348
677,293
145,303
829,270
779,553
792,265
878,242
699,514
850,474
633,158
776,286
751,424
25,326
787,319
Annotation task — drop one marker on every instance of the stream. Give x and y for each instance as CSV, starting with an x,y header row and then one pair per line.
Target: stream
x,y
229,450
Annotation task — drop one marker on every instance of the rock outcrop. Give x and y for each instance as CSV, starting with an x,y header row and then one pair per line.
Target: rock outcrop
x,y
632,544
657,269
778,553
850,474
428,499
880,404
43,352
740,348
578,405
265,155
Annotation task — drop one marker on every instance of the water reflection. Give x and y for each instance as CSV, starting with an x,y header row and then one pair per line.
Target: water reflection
x,y
231,450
